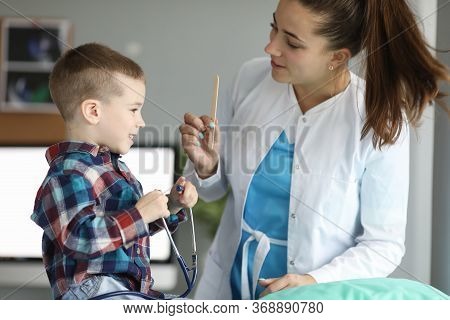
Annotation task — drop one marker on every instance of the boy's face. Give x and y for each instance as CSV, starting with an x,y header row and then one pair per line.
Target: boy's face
x,y
121,116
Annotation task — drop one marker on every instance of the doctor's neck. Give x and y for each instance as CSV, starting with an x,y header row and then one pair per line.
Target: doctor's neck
x,y
311,95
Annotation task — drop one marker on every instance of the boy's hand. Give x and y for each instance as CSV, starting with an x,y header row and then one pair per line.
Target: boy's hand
x,y
185,197
153,206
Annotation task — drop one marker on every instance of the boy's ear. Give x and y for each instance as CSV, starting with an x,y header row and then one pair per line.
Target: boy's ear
x,y
91,111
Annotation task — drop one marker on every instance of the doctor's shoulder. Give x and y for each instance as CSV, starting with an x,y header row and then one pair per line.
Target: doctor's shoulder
x,y
250,74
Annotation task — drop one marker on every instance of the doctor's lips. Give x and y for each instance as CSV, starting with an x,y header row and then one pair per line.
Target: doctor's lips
x,y
275,65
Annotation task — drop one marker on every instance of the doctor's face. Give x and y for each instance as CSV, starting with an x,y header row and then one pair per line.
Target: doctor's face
x,y
299,56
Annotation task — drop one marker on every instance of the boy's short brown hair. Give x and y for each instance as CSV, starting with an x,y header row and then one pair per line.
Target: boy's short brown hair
x,y
88,72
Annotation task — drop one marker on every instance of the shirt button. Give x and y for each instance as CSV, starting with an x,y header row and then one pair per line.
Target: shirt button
x,y
304,119
138,251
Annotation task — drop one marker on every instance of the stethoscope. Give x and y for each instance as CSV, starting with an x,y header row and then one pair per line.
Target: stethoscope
x,y
190,281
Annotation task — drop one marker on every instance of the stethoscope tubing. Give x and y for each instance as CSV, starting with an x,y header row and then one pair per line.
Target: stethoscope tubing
x,y
182,263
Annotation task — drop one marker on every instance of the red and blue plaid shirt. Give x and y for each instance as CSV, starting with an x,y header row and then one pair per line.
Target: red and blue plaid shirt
x,y
86,207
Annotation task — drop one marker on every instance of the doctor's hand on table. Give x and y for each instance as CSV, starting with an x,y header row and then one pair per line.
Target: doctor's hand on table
x,y
200,145
285,282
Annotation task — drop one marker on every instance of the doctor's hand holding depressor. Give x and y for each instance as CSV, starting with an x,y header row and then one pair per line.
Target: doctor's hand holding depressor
x,y
199,144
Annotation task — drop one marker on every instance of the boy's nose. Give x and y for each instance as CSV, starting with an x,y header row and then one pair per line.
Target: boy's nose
x,y
141,122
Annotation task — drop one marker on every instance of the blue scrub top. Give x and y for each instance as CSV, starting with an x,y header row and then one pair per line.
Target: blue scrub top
x,y
267,210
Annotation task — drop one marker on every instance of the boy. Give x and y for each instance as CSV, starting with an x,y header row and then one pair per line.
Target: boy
x,y
95,219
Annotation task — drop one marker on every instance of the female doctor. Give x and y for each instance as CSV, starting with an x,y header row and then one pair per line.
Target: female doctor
x,y
316,159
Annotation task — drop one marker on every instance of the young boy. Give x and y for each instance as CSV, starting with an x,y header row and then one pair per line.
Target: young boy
x,y
95,219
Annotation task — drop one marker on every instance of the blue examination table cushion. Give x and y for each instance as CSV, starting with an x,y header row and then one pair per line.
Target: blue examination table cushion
x,y
362,289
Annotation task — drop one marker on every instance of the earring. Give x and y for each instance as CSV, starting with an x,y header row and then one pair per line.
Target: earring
x,y
331,67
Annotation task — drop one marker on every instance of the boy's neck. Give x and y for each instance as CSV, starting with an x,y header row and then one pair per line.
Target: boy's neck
x,y
79,134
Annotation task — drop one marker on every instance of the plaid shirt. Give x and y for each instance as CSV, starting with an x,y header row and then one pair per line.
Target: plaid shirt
x,y
86,207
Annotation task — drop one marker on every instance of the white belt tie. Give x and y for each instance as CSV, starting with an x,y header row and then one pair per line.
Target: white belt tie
x,y
262,250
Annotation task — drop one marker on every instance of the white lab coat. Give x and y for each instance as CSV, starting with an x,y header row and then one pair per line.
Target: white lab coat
x,y
348,200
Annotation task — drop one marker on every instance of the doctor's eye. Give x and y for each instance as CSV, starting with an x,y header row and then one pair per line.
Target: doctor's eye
x,y
273,26
295,46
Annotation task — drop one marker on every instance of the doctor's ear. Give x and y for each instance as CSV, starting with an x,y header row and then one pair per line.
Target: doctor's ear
x,y
91,111
340,57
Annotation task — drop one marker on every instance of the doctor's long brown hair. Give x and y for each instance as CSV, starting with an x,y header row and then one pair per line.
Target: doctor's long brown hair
x,y
401,74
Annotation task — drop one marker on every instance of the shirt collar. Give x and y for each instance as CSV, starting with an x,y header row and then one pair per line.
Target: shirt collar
x,y
325,104
60,148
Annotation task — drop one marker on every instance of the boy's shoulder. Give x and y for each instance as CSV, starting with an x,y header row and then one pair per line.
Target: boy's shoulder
x,y
74,158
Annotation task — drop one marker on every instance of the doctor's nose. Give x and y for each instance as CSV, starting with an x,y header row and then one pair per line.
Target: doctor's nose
x,y
272,48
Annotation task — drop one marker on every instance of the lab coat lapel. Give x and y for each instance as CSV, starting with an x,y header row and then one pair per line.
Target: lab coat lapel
x,y
259,128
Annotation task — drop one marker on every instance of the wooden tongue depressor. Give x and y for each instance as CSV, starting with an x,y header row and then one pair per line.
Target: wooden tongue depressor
x,y
214,106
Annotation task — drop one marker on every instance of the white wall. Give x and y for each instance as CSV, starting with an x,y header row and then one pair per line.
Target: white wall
x,y
440,267
181,44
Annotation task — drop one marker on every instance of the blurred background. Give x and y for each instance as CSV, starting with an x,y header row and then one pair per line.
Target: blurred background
x,y
181,45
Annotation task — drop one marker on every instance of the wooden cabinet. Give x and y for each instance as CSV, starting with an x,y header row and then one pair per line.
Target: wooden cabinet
x,y
31,129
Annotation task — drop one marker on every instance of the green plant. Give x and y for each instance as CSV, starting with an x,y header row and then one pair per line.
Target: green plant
x,y
210,213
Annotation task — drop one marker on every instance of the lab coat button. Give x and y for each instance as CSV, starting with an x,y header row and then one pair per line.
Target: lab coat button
x,y
293,216
291,262
297,166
